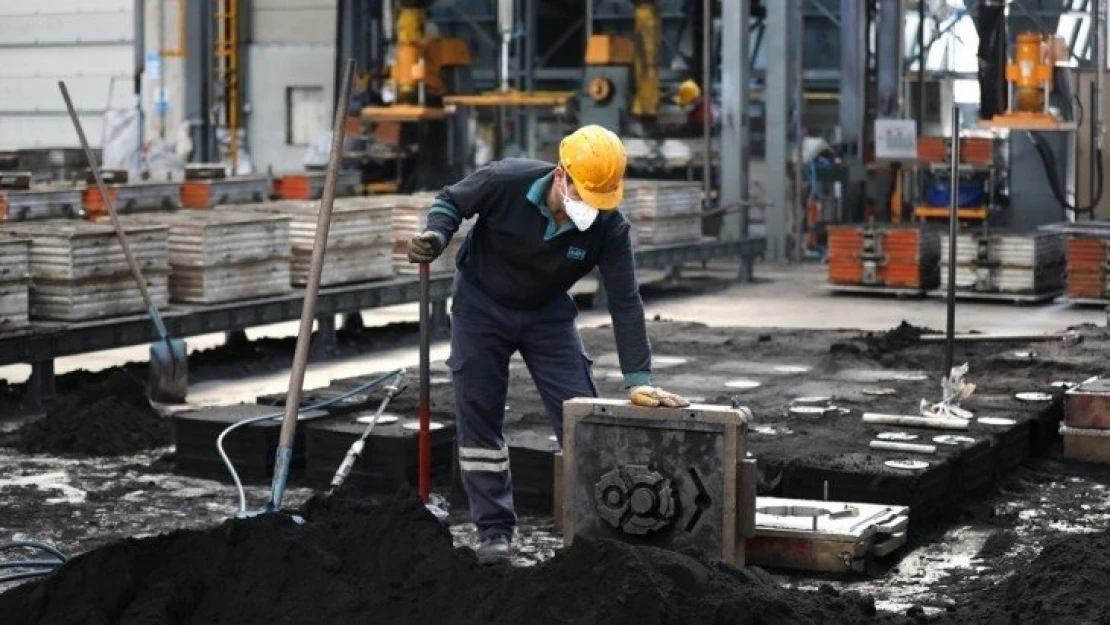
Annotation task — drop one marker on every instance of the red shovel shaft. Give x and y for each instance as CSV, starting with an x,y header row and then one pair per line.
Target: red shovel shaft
x,y
424,441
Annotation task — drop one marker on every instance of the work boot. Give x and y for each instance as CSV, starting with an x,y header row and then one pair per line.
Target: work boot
x,y
494,550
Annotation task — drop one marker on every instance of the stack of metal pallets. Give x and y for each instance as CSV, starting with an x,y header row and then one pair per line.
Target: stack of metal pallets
x,y
359,239
663,212
886,257
221,256
78,270
1088,260
409,219
14,282
1025,265
309,185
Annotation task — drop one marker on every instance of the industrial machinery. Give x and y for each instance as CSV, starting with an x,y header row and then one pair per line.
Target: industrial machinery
x,y
1029,76
671,478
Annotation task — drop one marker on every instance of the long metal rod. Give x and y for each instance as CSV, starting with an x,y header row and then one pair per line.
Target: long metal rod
x,y
707,99
799,211
424,450
308,310
953,218
94,167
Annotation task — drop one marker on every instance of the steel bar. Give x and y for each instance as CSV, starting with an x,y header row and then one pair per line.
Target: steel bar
x,y
424,453
953,221
907,447
939,423
707,98
308,310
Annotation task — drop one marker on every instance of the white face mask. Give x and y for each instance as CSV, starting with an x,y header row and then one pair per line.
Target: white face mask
x,y
581,213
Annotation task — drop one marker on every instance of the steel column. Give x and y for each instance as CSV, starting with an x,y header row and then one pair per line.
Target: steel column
x,y
888,58
776,98
735,139
198,88
853,98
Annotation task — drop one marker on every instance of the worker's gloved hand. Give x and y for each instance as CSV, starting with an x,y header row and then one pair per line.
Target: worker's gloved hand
x,y
425,247
652,397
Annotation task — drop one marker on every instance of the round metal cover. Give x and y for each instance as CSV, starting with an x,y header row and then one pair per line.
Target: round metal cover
x,y
953,439
896,436
809,411
877,392
385,419
667,361
439,379
1062,384
909,376
1025,355
771,430
907,464
1033,396
791,368
357,398
742,384
415,426
995,421
818,400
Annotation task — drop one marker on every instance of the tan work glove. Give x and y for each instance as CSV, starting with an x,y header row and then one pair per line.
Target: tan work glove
x,y
425,247
652,397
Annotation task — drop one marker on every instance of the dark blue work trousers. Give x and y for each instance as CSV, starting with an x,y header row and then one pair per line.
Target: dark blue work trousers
x,y
484,336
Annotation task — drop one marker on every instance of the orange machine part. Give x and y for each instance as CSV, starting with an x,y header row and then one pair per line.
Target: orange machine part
x,y
900,266
609,50
95,207
975,150
1087,258
196,194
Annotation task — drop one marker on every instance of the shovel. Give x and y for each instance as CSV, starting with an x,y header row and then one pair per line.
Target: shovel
x,y
169,366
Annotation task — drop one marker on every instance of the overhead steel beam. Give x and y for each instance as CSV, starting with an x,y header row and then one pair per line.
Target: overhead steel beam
x,y
853,99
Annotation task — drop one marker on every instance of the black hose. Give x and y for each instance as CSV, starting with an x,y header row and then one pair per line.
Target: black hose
x,y
1054,183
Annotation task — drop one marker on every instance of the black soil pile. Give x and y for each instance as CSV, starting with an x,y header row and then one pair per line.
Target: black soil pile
x,y
1066,583
107,418
359,562
883,346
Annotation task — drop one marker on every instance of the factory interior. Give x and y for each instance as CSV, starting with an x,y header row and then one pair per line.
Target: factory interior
x,y
284,340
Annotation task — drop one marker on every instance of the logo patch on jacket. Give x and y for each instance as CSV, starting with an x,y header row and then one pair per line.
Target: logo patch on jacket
x,y
576,253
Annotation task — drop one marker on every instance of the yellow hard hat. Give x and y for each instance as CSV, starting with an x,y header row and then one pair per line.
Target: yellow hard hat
x,y
594,158
688,93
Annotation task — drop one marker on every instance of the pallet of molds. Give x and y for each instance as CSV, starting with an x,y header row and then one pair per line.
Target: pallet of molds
x,y
663,212
78,270
389,458
899,260
14,283
1015,267
226,255
19,202
309,185
1088,261
409,219
207,186
359,239
825,536
251,448
129,197
1086,425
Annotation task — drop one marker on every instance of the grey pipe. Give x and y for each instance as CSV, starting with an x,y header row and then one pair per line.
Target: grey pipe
x,y
707,99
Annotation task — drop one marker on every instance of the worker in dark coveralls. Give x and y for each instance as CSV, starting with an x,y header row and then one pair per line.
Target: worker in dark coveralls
x,y
540,228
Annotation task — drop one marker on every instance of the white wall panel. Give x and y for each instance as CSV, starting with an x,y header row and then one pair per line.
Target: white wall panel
x,y
54,7
47,131
65,61
293,21
45,28
89,93
300,66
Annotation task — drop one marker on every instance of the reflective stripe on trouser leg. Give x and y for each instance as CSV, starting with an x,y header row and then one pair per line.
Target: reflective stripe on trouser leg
x,y
482,341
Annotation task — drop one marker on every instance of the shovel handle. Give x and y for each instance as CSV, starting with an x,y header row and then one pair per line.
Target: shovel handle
x,y
94,167
424,441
